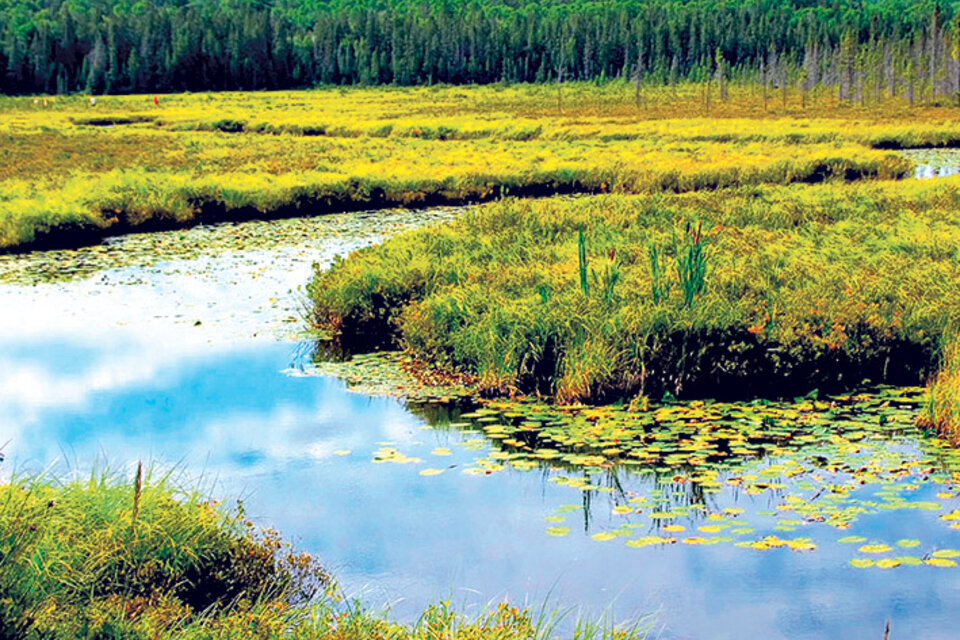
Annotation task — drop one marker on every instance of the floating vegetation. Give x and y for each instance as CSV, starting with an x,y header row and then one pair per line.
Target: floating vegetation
x,y
695,473
307,238
394,373
692,473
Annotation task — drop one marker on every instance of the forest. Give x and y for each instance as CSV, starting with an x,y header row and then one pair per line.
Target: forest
x,y
862,49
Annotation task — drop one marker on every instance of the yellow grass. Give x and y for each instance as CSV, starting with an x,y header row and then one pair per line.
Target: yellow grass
x,y
73,171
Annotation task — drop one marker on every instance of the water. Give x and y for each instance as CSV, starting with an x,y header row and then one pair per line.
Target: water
x,y
188,362
934,163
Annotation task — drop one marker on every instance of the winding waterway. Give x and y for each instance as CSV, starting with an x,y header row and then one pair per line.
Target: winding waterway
x,y
184,349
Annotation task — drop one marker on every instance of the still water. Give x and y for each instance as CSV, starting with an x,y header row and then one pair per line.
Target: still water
x,y
934,163
151,351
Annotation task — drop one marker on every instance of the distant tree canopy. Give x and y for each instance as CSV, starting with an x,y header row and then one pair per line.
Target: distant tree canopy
x,y
58,46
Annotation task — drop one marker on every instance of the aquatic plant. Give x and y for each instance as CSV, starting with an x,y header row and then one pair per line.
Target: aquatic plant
x,y
691,262
806,288
659,284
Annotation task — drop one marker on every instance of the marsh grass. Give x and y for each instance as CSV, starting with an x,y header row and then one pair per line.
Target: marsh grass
x,y
781,290
73,173
107,556
941,411
74,550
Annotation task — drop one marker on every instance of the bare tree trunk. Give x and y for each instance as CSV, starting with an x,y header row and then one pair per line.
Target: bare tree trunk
x,y
721,80
763,82
934,57
561,67
674,68
888,70
638,74
784,84
955,61
911,79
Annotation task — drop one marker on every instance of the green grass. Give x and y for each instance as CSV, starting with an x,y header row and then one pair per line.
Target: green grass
x,y
942,408
72,174
761,291
109,557
79,557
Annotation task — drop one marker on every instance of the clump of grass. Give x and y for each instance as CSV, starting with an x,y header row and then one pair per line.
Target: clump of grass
x,y
107,556
691,262
799,287
582,262
73,552
941,411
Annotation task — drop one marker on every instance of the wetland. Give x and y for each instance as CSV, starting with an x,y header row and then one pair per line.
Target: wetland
x,y
689,406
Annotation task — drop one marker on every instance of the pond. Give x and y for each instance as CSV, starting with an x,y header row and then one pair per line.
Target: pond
x,y
934,163
149,349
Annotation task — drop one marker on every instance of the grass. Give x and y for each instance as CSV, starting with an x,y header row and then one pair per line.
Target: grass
x,y
942,408
105,557
73,173
762,291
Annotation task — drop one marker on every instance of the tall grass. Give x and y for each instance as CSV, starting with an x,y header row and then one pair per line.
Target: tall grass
x,y
66,180
942,408
73,551
691,262
110,557
799,287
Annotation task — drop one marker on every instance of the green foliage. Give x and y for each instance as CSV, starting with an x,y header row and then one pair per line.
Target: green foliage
x,y
798,287
582,262
113,46
691,262
659,283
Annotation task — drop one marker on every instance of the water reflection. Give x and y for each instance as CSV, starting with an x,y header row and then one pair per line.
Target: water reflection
x,y
93,371
934,163
927,171
400,537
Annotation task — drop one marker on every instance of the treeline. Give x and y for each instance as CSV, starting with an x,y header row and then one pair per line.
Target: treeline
x,y
860,47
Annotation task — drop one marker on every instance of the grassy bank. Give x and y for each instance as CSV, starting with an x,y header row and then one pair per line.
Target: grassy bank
x,y
73,173
755,291
942,408
104,557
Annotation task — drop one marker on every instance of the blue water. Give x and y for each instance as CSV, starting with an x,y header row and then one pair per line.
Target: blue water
x,y
397,537
227,415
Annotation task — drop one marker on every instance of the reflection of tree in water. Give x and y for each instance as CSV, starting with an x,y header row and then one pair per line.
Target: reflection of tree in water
x,y
674,479
678,487
443,416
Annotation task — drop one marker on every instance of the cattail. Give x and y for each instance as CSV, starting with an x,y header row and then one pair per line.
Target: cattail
x,y
137,492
